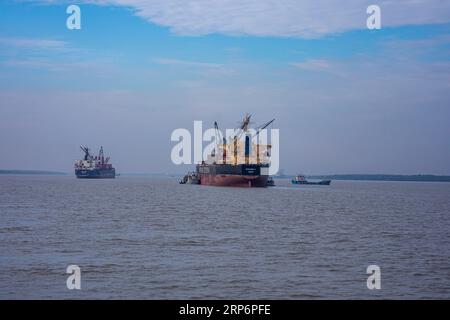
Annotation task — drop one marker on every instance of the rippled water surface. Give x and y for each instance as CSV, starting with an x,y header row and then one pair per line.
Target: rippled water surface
x,y
141,237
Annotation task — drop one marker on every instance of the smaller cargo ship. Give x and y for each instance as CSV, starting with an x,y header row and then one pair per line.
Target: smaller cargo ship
x,y
94,167
301,179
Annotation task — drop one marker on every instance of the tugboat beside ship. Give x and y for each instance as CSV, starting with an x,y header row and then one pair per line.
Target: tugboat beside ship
x,y
190,178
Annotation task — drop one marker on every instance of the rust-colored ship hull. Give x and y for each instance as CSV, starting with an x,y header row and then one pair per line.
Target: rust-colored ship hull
x,y
242,175
228,180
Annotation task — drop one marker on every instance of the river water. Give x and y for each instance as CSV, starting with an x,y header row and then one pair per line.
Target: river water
x,y
151,238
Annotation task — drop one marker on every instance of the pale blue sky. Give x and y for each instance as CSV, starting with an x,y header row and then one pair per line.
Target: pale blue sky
x,y
346,99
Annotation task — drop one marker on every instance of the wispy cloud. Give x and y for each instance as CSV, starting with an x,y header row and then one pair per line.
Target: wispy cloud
x,y
198,67
55,66
177,62
281,18
313,65
32,43
49,55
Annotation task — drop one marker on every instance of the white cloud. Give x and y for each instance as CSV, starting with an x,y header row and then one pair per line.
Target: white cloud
x,y
281,18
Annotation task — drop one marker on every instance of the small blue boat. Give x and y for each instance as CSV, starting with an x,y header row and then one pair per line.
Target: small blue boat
x,y
301,179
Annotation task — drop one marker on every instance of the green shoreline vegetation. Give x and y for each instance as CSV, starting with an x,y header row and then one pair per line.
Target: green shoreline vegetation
x,y
36,172
384,177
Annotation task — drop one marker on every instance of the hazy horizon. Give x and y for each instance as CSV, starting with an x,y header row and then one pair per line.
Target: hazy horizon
x,y
287,174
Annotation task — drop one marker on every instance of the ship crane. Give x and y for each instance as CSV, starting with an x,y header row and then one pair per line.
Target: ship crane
x,y
216,133
224,141
260,128
243,128
263,126
87,155
101,156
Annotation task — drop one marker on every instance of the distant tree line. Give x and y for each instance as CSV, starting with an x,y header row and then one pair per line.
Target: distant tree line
x,y
384,177
41,172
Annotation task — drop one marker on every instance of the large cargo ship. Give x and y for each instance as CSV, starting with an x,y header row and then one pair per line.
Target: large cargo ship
x,y
240,163
94,167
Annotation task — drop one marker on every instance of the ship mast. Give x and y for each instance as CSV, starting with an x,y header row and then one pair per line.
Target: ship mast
x,y
243,128
101,157
217,135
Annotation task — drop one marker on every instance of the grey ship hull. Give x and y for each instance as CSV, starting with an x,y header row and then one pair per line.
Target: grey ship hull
x,y
95,173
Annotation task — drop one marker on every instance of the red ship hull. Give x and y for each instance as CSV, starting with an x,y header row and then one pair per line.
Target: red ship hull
x,y
230,180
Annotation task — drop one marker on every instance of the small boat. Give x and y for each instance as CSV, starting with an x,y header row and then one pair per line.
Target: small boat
x,y
270,182
301,179
190,178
